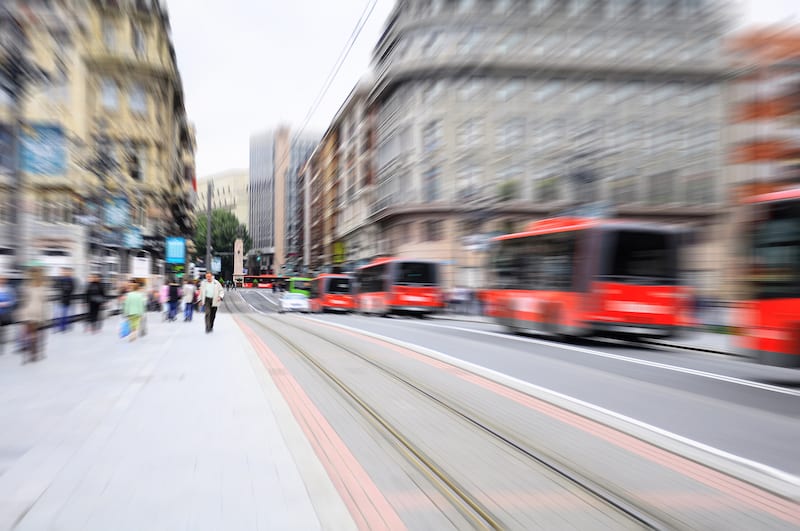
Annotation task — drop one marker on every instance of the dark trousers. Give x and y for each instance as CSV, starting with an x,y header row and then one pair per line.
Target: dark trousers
x,y
63,317
172,312
188,308
211,314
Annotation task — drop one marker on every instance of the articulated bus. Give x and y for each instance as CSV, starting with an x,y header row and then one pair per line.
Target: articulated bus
x,y
259,281
583,277
300,285
399,286
770,317
332,293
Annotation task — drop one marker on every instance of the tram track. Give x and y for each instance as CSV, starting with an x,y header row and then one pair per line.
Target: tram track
x,y
470,505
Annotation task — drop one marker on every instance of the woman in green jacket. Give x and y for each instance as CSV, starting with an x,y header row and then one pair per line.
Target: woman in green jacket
x,y
133,308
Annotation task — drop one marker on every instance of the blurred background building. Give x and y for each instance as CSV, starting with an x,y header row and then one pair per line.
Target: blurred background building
x,y
276,158
106,167
765,109
482,116
231,192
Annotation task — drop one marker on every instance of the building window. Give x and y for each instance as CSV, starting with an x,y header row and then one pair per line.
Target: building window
x,y
465,6
432,136
109,35
470,133
108,91
138,41
469,182
541,7
432,43
471,88
470,40
509,89
137,100
577,7
587,90
618,8
547,188
661,189
430,185
434,230
431,91
549,90
510,43
624,190
502,7
511,133
700,189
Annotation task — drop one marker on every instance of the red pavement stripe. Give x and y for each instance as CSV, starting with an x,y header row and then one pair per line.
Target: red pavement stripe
x,y
741,491
364,500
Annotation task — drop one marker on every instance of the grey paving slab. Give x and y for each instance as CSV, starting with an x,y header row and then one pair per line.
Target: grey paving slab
x,y
177,430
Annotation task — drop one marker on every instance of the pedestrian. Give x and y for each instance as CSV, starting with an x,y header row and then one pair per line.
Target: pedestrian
x,y
164,299
8,300
189,292
174,299
65,287
34,315
133,309
95,299
212,295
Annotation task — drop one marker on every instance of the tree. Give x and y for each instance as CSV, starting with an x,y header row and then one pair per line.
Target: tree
x,y
225,229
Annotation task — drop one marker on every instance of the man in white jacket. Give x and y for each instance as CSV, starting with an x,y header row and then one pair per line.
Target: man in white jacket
x,y
211,293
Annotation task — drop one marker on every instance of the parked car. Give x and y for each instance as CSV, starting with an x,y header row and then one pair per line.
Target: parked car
x,y
294,302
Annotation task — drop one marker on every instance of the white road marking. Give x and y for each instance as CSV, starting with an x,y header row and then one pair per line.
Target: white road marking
x,y
272,302
791,480
251,306
618,357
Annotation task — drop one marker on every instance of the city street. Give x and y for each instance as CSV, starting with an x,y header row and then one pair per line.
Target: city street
x,y
343,421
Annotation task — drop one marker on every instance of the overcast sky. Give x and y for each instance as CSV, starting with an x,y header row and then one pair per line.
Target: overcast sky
x,y
248,65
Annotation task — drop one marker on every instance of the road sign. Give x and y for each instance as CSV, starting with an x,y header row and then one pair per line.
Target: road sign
x,y
176,250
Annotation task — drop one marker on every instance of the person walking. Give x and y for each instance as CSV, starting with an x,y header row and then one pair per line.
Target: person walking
x,y
133,309
34,315
189,291
174,299
164,299
65,287
212,294
8,299
95,299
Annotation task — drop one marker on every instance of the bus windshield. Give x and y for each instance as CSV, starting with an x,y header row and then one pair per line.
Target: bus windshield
x,y
339,286
301,284
640,257
416,273
776,252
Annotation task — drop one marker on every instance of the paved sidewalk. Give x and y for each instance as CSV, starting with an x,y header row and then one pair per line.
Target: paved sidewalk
x,y
178,430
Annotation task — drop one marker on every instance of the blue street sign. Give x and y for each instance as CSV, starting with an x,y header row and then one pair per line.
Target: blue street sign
x,y
175,250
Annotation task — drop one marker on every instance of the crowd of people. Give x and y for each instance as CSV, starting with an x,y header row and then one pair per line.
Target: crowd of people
x,y
38,303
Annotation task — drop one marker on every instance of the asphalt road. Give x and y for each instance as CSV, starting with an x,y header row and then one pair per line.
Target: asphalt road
x,y
746,410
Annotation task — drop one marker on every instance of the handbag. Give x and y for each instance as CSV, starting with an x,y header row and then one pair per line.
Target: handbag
x,y
124,328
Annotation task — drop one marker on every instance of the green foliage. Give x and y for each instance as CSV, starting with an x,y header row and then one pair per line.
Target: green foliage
x,y
225,229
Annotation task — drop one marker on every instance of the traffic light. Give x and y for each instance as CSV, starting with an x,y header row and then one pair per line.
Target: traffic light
x,y
258,258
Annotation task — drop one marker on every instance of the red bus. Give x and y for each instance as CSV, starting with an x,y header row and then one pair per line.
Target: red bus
x,y
582,277
399,286
332,293
259,281
770,316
